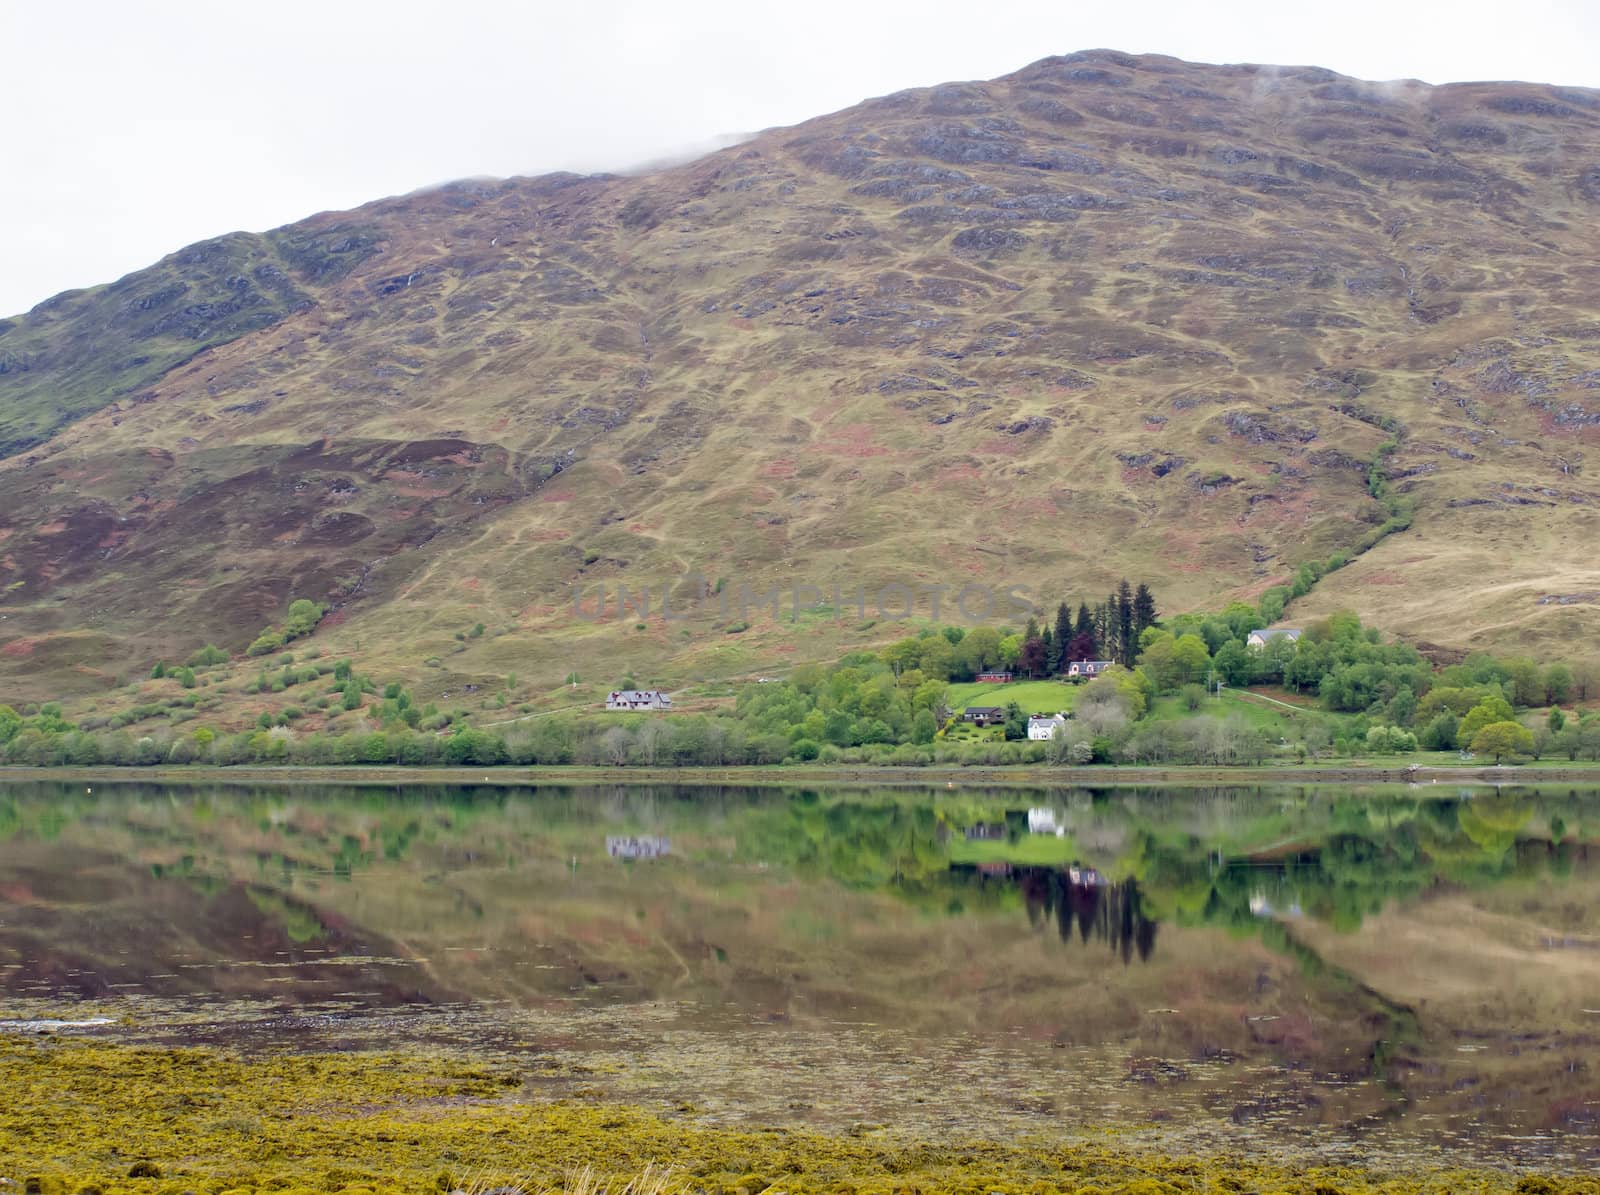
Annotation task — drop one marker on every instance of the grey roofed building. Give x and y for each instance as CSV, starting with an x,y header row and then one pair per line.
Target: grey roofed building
x,y
1044,726
1081,668
638,699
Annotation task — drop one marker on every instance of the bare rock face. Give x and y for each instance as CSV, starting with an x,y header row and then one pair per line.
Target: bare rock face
x,y
1145,294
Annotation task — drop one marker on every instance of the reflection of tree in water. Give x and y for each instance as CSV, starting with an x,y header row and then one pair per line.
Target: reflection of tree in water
x,y
1078,900
1363,854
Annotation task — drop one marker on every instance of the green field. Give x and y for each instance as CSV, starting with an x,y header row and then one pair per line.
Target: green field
x,y
1034,696
1279,720
1027,850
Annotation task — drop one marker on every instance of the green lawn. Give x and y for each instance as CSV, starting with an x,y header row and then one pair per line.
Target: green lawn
x,y
1282,723
1028,850
1034,696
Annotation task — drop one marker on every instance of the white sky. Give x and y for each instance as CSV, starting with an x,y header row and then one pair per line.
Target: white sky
x,y
135,127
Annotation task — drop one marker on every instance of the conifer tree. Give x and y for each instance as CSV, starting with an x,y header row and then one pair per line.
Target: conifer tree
x,y
1144,610
1125,639
1059,661
1085,643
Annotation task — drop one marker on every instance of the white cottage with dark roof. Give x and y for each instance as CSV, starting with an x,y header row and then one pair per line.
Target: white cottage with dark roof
x,y
638,699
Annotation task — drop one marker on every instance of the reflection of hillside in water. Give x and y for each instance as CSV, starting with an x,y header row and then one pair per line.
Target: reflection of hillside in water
x,y
1075,900
1351,943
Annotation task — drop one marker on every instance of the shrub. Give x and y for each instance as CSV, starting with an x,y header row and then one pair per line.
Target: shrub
x,y
269,641
302,618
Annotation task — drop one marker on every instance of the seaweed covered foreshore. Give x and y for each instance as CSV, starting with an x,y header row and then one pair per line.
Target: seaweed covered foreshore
x,y
84,1117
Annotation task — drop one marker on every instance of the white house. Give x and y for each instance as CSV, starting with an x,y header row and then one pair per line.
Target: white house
x,y
646,846
1087,669
1261,638
1044,726
638,699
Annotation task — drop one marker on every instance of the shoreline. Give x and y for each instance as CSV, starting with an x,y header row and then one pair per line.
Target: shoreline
x,y
1022,776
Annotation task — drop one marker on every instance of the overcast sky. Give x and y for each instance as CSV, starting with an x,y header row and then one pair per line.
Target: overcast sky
x,y
135,127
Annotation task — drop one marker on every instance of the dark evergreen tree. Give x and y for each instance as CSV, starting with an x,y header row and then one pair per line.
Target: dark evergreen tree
x,y
1144,610
1063,638
1048,641
1085,631
1127,644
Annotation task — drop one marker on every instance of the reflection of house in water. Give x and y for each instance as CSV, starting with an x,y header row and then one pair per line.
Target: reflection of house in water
x,y
1261,906
647,846
1043,821
1077,898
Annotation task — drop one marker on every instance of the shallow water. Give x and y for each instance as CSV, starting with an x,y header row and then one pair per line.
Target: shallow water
x,y
1375,975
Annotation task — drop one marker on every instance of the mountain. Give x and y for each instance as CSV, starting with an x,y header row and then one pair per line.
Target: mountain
x,y
1109,315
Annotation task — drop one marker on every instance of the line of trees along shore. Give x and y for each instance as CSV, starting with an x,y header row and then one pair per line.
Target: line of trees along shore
x,y
893,706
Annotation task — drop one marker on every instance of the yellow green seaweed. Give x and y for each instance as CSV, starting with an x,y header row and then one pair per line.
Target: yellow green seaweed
x,y
95,1118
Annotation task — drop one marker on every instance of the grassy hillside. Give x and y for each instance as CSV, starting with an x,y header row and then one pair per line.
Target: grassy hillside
x,y
1107,316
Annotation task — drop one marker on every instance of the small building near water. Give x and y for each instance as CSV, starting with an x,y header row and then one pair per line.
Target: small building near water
x,y
638,699
984,715
1045,726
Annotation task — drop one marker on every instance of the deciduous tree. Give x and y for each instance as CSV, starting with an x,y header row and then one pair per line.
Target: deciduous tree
x,y
1502,739
1488,711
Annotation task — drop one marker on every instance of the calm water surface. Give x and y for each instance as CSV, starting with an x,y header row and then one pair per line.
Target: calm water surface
x,y
1373,974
